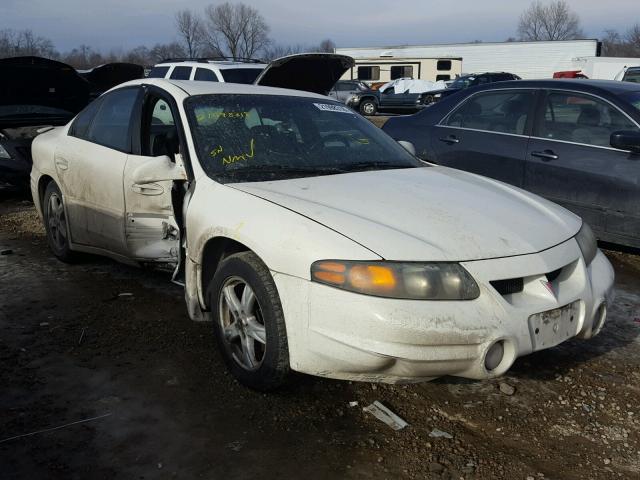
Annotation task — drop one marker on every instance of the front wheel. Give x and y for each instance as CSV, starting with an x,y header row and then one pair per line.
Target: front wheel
x,y
368,107
55,223
249,322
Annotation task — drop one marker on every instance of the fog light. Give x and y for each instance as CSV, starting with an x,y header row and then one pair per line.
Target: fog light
x,y
494,356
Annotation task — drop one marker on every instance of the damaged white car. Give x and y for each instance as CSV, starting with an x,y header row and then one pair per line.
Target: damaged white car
x,y
313,241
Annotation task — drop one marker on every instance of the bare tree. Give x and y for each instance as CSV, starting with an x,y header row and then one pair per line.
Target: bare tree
x,y
25,42
327,45
236,30
632,38
551,21
191,32
163,51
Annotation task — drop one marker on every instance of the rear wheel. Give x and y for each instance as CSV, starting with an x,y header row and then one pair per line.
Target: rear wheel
x,y
249,323
55,223
368,107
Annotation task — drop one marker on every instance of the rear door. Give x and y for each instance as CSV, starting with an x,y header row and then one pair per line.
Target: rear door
x,y
90,165
570,161
487,134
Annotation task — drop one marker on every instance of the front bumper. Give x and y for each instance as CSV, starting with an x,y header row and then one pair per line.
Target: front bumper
x,y
339,334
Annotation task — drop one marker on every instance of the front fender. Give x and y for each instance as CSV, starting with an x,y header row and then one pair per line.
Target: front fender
x,y
285,241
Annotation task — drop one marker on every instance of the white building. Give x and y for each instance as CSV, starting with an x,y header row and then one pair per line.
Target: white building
x,y
527,59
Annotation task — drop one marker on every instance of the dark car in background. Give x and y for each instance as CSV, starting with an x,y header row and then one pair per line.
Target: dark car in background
x,y
575,143
104,77
632,74
360,97
466,81
34,93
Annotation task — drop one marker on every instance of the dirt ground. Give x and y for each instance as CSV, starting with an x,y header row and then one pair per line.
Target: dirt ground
x,y
111,347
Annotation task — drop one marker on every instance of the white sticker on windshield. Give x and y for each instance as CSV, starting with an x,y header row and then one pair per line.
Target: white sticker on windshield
x,y
329,107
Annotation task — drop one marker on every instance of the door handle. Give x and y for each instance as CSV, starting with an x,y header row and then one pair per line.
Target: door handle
x,y
61,162
147,189
546,156
451,139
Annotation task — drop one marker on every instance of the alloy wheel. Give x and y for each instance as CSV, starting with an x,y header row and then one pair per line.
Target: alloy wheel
x,y
57,221
242,323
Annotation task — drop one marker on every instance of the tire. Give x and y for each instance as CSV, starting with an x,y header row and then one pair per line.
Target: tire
x,y
368,107
249,329
55,224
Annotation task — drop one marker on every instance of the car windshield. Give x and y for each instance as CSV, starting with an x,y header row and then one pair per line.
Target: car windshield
x,y
250,138
240,75
462,82
633,98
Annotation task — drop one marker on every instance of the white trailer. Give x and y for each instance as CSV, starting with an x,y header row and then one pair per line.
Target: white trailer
x,y
527,59
604,68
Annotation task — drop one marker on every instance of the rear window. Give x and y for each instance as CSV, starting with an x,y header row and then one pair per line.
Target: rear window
x,y
158,72
181,73
205,75
240,75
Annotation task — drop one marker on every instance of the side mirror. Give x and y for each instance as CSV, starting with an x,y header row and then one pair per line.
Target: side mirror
x,y
157,169
626,140
408,146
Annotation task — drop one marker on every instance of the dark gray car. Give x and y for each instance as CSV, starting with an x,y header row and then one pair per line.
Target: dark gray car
x,y
576,143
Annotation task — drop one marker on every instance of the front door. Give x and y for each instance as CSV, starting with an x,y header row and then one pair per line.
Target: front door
x,y
570,161
151,230
487,134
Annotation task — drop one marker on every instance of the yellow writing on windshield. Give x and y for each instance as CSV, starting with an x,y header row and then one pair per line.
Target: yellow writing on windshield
x,y
228,160
216,151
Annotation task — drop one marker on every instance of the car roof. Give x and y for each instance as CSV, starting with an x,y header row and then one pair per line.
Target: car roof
x,y
222,65
594,86
191,87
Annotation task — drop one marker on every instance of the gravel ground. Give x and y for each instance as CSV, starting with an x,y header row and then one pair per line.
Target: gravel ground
x,y
112,347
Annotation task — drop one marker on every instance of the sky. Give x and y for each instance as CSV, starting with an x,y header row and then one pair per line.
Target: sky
x,y
122,24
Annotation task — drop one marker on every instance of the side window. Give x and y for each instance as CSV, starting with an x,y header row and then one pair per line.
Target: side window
x,y
181,73
368,73
158,72
580,118
110,126
502,111
205,75
443,65
401,71
443,77
159,132
80,126
346,87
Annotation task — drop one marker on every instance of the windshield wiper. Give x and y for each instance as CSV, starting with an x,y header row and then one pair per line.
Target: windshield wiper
x,y
283,169
374,166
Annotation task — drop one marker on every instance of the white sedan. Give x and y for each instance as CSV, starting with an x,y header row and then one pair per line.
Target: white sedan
x,y
313,241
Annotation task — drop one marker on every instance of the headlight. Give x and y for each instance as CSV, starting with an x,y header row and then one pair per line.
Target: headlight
x,y
587,242
353,99
4,153
414,281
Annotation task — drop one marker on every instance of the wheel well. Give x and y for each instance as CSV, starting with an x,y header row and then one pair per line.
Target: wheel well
x,y
42,186
216,250
372,98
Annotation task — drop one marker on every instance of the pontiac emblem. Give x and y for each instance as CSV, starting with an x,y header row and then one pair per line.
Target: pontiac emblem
x,y
549,287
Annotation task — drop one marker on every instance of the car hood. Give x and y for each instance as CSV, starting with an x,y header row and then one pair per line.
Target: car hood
x,y
107,76
431,213
29,82
310,72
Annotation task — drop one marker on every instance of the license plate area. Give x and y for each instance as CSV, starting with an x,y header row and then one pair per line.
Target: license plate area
x,y
553,327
